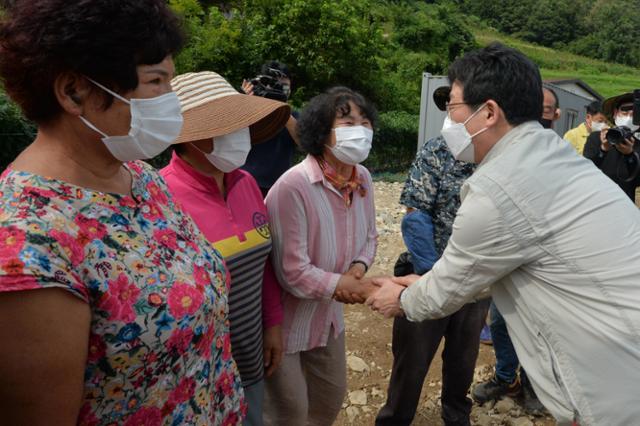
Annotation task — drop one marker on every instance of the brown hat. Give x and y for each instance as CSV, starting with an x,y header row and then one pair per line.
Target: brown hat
x,y
614,102
212,107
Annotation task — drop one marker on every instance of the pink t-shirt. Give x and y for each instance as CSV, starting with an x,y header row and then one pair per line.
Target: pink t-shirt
x,y
237,227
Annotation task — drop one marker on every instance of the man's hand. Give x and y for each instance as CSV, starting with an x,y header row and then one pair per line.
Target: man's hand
x,y
387,299
405,281
356,270
626,147
604,144
272,349
247,87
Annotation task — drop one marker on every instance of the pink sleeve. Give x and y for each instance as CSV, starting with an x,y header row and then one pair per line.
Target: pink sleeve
x,y
292,262
368,252
271,304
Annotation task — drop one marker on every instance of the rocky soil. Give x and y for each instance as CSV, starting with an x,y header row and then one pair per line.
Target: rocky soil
x,y
369,346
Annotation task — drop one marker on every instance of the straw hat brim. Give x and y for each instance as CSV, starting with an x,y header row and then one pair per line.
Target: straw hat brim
x,y
264,117
610,104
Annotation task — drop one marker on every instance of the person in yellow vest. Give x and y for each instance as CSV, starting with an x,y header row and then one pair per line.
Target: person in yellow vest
x,y
594,122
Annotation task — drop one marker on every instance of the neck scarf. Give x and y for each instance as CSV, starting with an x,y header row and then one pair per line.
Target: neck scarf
x,y
346,187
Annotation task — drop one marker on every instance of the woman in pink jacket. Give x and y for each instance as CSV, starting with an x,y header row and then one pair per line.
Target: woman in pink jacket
x,y
323,221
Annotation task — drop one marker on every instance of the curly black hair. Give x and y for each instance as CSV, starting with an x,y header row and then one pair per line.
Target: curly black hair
x,y
102,39
316,120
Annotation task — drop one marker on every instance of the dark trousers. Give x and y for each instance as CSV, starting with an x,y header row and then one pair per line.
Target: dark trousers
x,y
414,346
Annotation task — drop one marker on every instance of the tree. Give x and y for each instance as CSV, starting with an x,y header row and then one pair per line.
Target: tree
x,y
614,32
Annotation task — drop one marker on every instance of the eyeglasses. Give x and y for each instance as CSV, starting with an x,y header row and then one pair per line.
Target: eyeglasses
x,y
448,105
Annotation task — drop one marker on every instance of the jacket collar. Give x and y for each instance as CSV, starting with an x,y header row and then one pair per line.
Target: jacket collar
x,y
312,169
199,181
515,135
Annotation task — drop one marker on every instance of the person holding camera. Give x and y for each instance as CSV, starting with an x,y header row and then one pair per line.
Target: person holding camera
x,y
269,160
595,121
615,150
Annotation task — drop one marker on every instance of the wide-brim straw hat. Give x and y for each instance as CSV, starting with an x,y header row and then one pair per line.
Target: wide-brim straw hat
x,y
614,102
212,107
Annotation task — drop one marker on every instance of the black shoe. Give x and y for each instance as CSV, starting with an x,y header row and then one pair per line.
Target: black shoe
x,y
494,389
532,404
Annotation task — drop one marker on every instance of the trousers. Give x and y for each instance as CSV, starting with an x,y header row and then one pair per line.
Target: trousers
x,y
308,387
414,344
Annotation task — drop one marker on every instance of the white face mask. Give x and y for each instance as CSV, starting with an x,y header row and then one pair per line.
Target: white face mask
x,y
155,124
353,144
230,151
458,138
598,126
626,121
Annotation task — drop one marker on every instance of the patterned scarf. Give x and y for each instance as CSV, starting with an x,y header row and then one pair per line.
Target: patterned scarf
x,y
346,186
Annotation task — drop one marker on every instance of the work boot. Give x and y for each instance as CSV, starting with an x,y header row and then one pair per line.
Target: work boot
x,y
495,388
531,403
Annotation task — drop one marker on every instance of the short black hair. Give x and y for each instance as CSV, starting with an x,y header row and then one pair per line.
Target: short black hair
x,y
275,65
555,95
316,120
102,39
594,108
504,75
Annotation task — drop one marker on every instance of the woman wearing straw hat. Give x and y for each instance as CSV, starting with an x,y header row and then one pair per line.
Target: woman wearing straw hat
x,y
324,230
225,202
113,305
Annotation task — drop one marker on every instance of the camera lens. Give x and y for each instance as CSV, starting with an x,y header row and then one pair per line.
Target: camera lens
x,y
616,135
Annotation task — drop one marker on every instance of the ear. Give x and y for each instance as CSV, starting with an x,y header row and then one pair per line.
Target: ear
x,y
494,113
71,91
557,114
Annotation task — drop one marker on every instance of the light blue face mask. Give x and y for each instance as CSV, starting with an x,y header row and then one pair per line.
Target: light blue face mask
x,y
155,124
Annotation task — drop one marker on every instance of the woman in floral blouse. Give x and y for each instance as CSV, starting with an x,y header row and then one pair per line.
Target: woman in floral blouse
x,y
113,306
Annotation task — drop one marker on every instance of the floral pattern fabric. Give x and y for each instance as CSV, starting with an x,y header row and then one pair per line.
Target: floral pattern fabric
x,y
159,348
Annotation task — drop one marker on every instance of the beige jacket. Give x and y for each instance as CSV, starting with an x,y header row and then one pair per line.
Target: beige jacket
x,y
558,243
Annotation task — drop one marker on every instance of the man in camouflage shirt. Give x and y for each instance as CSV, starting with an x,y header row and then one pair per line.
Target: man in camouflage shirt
x,y
433,188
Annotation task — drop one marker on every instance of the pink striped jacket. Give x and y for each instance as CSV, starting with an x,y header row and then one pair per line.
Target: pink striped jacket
x,y
315,239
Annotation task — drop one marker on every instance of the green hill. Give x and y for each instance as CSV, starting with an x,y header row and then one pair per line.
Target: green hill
x,y
607,78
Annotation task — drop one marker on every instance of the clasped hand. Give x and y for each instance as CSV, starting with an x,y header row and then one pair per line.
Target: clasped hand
x,y
386,299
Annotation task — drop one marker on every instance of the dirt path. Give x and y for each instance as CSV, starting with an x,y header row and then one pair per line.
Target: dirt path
x,y
368,338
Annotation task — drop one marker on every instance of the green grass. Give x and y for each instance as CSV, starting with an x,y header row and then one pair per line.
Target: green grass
x,y
607,78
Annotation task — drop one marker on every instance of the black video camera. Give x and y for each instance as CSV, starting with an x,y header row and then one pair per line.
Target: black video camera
x,y
617,135
269,85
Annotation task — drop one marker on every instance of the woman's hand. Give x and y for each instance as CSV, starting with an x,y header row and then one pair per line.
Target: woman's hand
x,y
356,270
353,290
272,347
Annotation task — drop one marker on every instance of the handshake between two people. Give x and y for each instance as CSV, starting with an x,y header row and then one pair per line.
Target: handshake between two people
x,y
381,294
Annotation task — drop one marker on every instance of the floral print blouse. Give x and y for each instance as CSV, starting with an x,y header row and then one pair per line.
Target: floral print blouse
x,y
159,350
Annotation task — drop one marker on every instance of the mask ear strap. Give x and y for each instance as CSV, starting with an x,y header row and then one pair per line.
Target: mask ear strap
x,y
202,151
109,91
478,132
474,113
92,127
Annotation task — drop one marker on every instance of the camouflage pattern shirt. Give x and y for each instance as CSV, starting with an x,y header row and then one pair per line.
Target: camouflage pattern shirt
x,y
433,186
